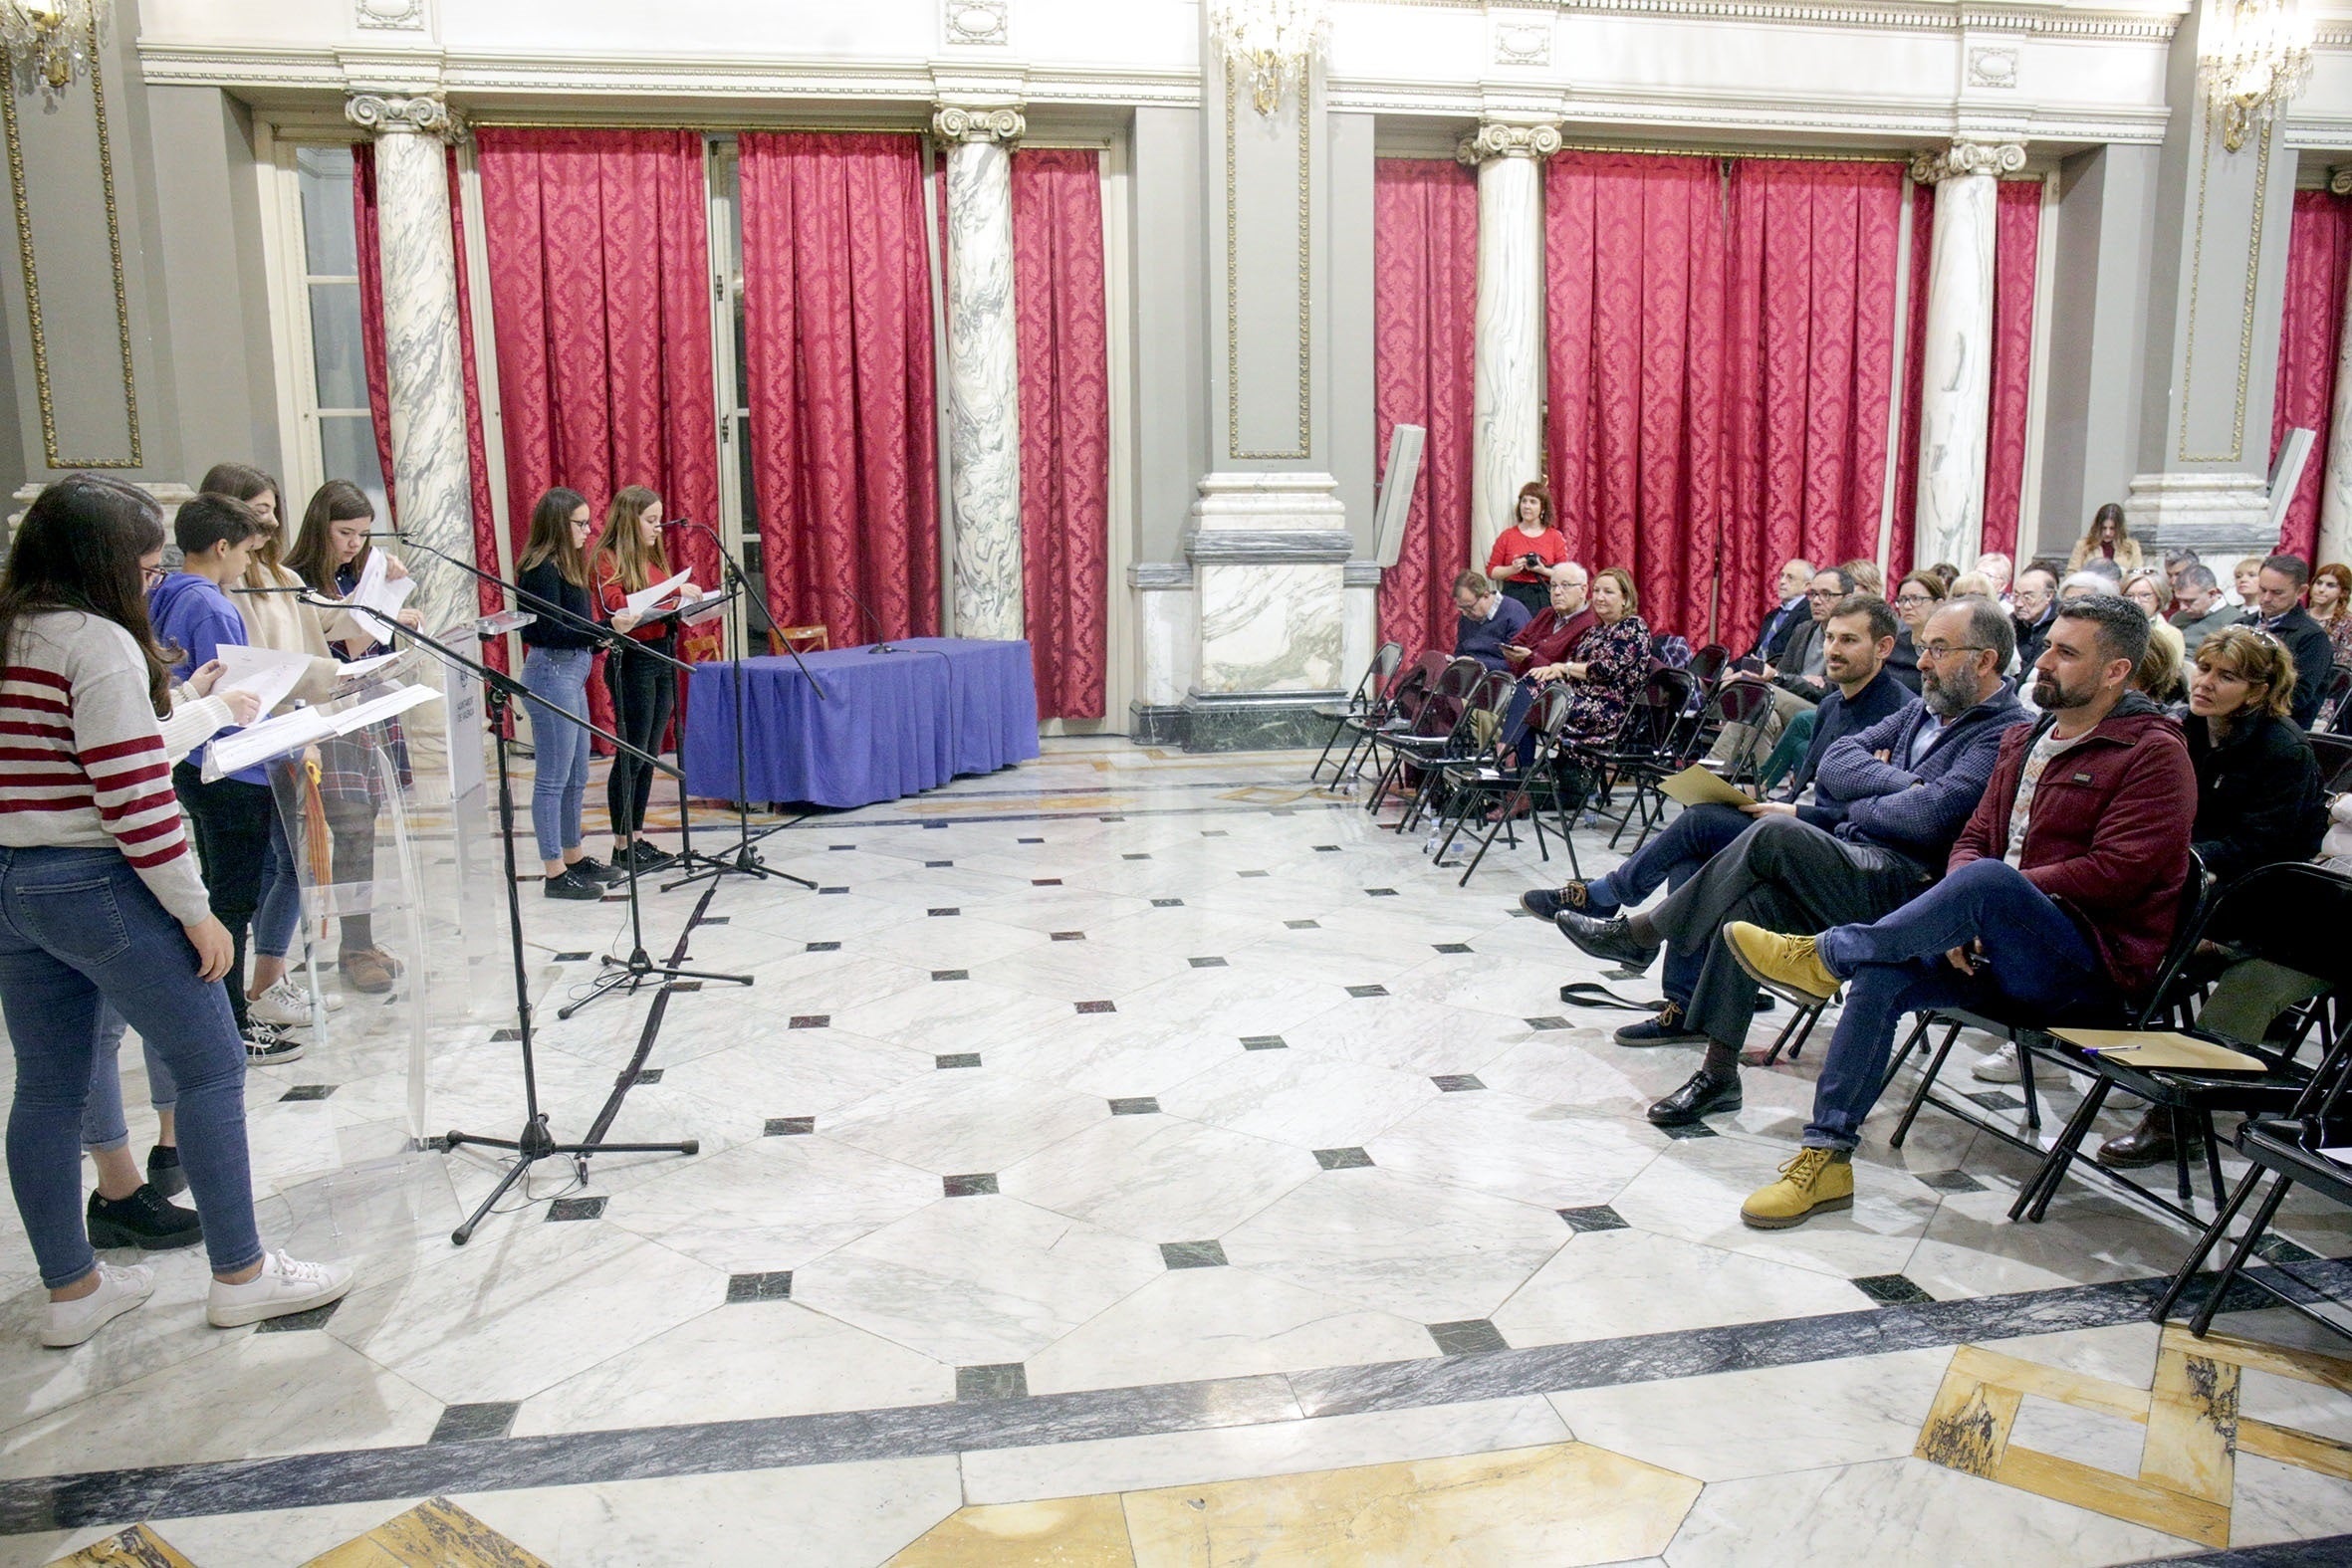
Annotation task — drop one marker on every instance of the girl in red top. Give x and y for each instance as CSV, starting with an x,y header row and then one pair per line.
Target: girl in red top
x,y
1531,537
629,560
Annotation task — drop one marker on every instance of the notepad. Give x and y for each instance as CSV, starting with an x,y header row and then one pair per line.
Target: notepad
x,y
2161,1049
1695,785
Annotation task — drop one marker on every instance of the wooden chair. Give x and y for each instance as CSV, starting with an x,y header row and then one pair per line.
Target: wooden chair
x,y
799,639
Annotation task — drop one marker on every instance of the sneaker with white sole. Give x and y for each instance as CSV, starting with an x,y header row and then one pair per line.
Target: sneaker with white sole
x,y
2000,1067
283,1286
267,1046
284,1003
119,1290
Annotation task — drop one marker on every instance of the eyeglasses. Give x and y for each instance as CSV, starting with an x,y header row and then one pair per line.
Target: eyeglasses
x,y
1824,593
1945,650
150,576
1914,599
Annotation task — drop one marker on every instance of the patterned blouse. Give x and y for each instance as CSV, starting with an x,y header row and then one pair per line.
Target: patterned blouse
x,y
2339,636
1620,661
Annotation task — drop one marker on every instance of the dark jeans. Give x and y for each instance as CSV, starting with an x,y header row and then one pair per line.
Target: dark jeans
x,y
644,690
2035,959
1536,596
232,821
1784,875
1672,857
80,935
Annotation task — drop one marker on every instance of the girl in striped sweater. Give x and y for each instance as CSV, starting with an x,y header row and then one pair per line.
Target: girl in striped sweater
x,y
101,903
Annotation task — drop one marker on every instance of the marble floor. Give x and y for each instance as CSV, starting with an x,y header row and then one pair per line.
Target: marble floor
x,y
1139,1159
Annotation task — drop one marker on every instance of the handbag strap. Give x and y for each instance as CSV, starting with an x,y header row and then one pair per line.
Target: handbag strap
x,y
1592,993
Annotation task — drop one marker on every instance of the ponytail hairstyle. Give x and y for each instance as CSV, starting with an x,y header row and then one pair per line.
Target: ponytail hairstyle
x,y
79,549
313,557
551,537
623,552
246,483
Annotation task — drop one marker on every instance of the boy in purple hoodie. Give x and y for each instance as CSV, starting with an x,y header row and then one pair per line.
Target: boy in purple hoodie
x,y
248,867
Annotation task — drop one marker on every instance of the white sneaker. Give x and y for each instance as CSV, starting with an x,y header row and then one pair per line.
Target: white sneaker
x,y
284,1286
120,1289
284,1003
2000,1067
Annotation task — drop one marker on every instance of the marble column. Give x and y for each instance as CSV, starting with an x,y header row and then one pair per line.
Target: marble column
x,y
983,374
425,378
1506,426
1955,393
2335,485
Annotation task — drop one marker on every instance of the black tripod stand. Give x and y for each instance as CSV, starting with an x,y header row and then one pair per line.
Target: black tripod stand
x,y
536,1142
746,861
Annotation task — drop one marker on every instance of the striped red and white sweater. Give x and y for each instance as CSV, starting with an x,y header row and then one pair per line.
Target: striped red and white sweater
x,y
82,758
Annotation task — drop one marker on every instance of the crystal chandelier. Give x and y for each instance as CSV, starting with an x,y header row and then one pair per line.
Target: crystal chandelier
x,y
1273,40
49,41
2253,64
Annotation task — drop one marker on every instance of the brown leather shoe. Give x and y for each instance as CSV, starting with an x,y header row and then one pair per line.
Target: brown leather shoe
x,y
370,969
2149,1143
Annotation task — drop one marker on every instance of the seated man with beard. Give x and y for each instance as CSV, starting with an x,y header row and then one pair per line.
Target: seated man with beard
x,y
1910,782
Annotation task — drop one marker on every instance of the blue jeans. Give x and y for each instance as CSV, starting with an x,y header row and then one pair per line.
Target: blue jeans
x,y
104,1125
279,910
2035,959
560,747
80,932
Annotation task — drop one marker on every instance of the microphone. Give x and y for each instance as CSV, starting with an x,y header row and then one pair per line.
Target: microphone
x,y
874,622
390,534
298,588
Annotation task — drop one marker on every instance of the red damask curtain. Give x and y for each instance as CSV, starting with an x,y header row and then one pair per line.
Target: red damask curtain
x,y
1902,539
2318,256
2016,236
1425,303
1062,317
1809,372
843,423
600,286
1634,259
380,405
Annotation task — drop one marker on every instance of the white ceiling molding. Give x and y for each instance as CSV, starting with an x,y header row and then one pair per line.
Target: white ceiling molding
x,y
2158,23
976,21
399,16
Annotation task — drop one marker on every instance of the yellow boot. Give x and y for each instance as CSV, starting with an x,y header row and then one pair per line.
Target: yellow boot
x,y
1815,1181
1786,966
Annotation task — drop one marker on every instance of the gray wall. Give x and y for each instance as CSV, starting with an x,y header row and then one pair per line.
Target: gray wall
x,y
1171,399
1350,270
2098,312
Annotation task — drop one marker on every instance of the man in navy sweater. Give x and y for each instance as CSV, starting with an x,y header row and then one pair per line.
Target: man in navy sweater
x,y
1859,634
1906,785
1490,622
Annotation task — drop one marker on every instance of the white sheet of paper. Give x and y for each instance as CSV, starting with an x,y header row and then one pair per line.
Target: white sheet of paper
x,y
377,591
378,709
264,672
639,603
361,669
702,609
261,742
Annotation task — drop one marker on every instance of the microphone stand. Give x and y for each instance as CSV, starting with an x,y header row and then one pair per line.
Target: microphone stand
x,y
747,861
536,1142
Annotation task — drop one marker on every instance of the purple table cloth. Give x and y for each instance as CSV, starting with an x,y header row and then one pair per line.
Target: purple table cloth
x,y
889,724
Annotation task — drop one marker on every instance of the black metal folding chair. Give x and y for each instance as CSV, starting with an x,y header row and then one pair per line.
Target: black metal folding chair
x,y
1707,666
1421,729
1744,703
1495,780
2335,760
1481,716
1365,710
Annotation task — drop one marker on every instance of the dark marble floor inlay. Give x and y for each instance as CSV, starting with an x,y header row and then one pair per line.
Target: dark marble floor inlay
x,y
1996,1099
1548,1023
1045,881
813,1020
1193,1255
308,1091
1167,903
942,914
773,1286
1474,1337
1099,1007
1949,1181
951,974
1265,1043
1891,1289
650,1075
576,1207
1326,850
1380,892
822,947
1140,854
1028,840
504,1036
1254,873
1068,936
1596,1217
1341,1159
1207,962
1008,1380
1215,833
1304,925
957,1058
1140,1105
573,957
937,865
1451,947
2279,1250
716,920
1367,990
475,1422
1457,1082
1110,819
1691,1129
835,890
295,1322
790,1126
978,1184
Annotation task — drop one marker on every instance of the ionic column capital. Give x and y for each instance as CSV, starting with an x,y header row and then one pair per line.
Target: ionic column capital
x,y
1002,124
381,116
1968,157
1513,137
2339,179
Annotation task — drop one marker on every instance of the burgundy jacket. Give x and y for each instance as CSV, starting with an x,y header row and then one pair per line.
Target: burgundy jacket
x,y
1549,639
2108,840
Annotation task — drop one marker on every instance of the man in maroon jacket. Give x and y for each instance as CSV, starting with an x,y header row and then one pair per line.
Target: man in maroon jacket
x,y
2061,898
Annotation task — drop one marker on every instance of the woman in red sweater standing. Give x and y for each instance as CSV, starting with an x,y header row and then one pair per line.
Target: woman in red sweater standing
x,y
1524,553
629,560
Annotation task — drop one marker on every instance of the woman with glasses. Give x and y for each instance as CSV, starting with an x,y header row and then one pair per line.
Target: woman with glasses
x,y
1916,598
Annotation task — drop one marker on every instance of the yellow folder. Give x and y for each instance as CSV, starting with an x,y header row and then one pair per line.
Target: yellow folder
x,y
1695,785
2160,1049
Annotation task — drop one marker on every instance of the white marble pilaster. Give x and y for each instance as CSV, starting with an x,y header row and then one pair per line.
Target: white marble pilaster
x,y
424,378
2335,485
1955,396
1506,425
983,374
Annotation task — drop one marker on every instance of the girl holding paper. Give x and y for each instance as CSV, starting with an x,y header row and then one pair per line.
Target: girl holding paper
x,y
629,560
556,663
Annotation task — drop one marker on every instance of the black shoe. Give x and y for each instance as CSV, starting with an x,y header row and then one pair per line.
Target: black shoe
x,y
597,870
1667,1029
2150,1143
143,1220
1609,940
267,1046
570,884
163,1172
1704,1095
642,855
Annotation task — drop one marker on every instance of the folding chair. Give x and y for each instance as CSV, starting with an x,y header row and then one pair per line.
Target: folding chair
x,y
1479,780
1420,722
1743,703
2333,719
1364,709
2335,760
1654,725
1707,666
1482,718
